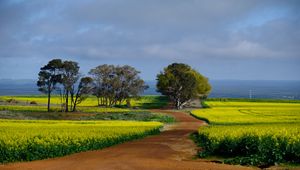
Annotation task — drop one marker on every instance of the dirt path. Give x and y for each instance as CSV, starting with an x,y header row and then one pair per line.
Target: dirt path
x,y
172,149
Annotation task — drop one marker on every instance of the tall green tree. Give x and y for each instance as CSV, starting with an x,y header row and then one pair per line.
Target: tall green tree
x,y
70,75
127,84
102,76
85,87
115,84
49,76
181,84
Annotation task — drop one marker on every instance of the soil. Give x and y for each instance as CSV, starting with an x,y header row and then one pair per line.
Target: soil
x,y
171,150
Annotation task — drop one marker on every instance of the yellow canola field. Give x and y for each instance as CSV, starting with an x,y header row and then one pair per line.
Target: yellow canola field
x,y
251,133
25,140
249,113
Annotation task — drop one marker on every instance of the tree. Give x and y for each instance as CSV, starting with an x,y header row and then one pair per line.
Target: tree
x,y
84,88
130,86
115,84
181,84
49,76
70,75
102,76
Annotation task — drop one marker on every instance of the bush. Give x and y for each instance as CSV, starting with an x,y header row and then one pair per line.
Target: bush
x,y
33,102
204,105
11,101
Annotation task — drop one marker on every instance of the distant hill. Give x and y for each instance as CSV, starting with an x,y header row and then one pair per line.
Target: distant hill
x,y
221,88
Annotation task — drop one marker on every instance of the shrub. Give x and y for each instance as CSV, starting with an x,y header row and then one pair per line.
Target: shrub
x,y
33,102
11,101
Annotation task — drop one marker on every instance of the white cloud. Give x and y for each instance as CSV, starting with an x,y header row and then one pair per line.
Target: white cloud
x,y
155,30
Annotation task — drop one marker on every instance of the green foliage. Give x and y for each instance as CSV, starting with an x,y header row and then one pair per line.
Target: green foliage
x,y
150,102
48,77
33,102
85,111
137,116
85,87
119,114
251,133
116,84
181,83
204,104
32,140
33,108
143,102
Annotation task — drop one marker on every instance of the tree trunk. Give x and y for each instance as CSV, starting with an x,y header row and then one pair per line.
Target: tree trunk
x,y
74,107
106,103
110,103
67,101
49,95
102,101
75,102
128,103
72,99
178,104
61,101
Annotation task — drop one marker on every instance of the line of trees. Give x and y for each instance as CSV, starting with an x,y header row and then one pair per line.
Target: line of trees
x,y
114,85
110,84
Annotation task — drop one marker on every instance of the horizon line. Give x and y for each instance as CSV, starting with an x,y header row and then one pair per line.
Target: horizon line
x,y
16,79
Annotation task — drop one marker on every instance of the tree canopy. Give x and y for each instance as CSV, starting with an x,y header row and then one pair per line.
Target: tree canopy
x,y
70,76
63,76
181,84
49,77
115,84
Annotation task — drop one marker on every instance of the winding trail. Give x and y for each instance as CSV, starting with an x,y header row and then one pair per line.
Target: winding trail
x,y
172,149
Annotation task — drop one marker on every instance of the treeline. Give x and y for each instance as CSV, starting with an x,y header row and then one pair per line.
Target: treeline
x,y
110,84
114,85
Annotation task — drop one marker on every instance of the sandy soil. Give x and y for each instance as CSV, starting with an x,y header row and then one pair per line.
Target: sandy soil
x,y
172,149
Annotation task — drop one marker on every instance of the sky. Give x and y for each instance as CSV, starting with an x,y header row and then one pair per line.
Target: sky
x,y
222,39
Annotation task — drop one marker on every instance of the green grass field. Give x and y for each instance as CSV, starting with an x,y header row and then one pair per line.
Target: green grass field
x,y
251,133
26,140
20,107
144,102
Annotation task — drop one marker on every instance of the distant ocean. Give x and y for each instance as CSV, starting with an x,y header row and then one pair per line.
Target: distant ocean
x,y
221,88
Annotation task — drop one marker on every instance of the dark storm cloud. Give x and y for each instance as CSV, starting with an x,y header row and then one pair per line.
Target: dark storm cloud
x,y
224,39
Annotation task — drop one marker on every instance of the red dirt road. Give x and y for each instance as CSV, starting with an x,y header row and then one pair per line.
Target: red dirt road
x,y
172,149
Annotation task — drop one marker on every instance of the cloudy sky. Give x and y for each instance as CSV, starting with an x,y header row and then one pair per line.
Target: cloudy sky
x,y
222,39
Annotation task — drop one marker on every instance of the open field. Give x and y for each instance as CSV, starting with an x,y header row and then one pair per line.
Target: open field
x,y
24,140
251,133
39,108
249,113
144,102
260,133
172,149
20,107
48,134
